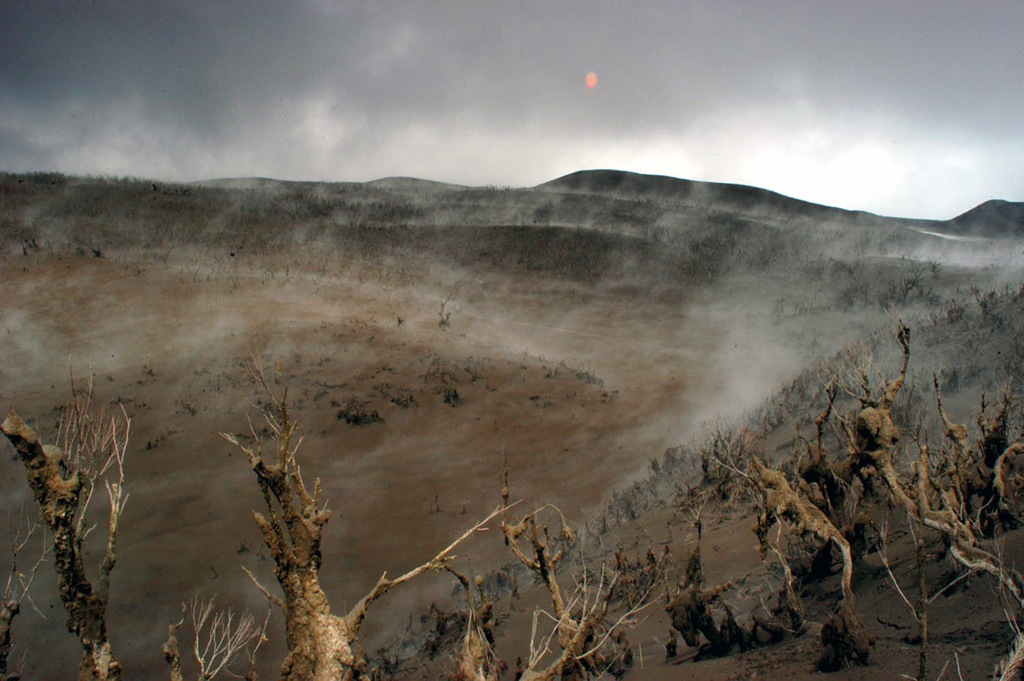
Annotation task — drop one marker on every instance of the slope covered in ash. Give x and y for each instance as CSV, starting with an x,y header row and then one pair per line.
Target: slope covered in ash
x,y
992,219
428,333
637,185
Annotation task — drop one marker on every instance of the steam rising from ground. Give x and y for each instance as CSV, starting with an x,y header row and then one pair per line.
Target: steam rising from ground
x,y
585,334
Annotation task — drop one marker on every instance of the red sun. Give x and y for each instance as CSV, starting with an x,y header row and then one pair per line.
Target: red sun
x,y
591,81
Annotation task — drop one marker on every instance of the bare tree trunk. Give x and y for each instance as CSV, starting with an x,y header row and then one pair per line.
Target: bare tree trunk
x,y
58,484
8,611
171,654
319,643
321,646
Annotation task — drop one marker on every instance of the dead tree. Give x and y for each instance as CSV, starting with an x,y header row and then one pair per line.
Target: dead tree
x,y
979,474
941,495
15,593
218,637
843,636
322,646
690,609
90,447
477,659
824,485
444,312
588,639
800,506
787,616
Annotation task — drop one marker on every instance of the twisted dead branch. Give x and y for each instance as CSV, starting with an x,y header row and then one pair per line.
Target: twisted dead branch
x,y
90,447
321,645
588,641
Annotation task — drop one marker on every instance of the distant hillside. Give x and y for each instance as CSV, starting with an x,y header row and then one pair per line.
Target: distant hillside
x,y
621,183
587,225
267,185
243,183
412,185
993,218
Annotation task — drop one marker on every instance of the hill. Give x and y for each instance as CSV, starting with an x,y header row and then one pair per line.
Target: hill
x,y
993,219
413,185
604,334
627,184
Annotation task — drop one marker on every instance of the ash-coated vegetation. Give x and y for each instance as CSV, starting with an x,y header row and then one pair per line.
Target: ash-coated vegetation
x,y
846,497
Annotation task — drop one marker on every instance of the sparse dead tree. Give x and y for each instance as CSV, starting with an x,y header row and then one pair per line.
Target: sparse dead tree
x,y
444,313
445,305
90,447
217,640
477,659
690,610
961,495
16,591
589,641
322,646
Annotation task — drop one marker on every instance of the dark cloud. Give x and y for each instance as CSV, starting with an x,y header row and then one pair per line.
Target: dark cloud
x,y
803,97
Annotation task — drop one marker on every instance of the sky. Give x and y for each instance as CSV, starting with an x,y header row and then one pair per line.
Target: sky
x,y
901,107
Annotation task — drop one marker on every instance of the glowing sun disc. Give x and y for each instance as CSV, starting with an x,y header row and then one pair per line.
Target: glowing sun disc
x,y
591,80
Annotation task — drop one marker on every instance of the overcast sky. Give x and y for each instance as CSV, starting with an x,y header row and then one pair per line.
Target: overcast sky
x,y
899,107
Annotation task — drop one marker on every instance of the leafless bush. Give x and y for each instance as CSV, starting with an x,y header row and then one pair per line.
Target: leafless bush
x,y
356,412
397,395
693,605
445,308
218,638
579,637
474,367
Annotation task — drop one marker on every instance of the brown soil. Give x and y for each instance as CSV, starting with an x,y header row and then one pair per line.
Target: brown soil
x,y
578,390
578,386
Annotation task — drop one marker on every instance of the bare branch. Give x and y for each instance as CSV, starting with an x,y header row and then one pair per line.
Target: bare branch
x,y
227,635
62,479
15,594
439,562
270,597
